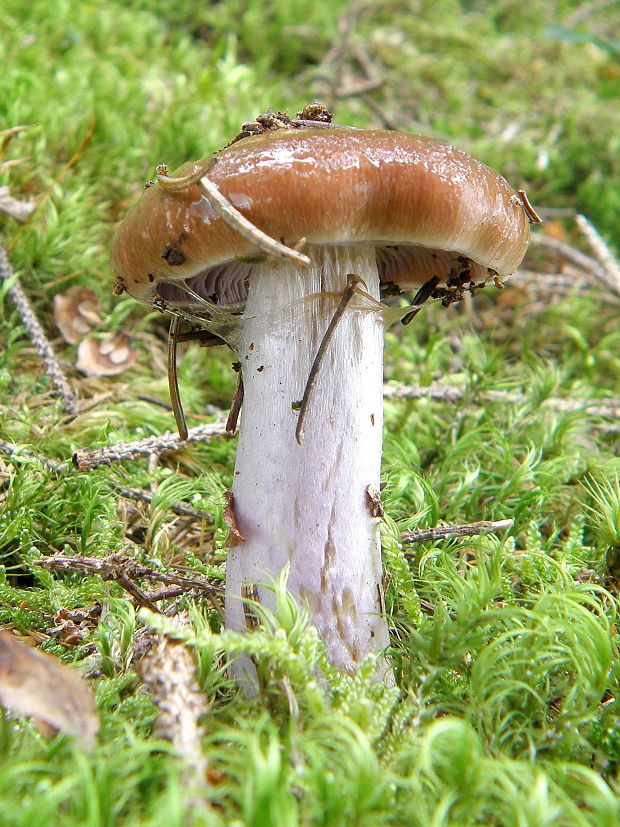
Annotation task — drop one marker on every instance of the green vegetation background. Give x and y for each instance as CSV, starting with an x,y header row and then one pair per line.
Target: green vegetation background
x,y
505,648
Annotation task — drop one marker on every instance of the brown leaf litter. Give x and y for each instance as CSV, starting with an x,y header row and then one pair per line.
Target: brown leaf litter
x,y
36,685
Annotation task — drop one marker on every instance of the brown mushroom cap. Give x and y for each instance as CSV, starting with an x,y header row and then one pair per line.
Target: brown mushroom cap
x,y
429,208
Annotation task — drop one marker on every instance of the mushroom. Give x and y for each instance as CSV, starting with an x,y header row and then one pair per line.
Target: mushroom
x,y
76,313
381,213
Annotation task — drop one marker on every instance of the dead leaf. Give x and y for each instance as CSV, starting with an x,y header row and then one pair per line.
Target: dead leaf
x,y
72,627
38,686
235,537
76,313
373,501
19,210
107,355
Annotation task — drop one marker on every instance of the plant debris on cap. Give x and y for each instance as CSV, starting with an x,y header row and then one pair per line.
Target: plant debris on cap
x,y
429,209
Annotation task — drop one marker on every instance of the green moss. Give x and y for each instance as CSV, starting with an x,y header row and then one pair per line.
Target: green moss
x,y
504,648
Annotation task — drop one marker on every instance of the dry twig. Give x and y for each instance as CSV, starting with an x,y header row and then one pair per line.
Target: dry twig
x,y
602,252
125,491
38,337
11,450
603,269
168,670
604,408
126,570
423,535
334,68
567,251
180,509
558,285
85,459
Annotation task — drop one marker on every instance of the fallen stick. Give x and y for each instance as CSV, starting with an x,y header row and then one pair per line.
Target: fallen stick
x,y
444,532
85,459
599,247
605,408
168,670
603,268
38,337
126,570
125,491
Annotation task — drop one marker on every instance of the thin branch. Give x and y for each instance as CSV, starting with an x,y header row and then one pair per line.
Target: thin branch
x,y
10,449
170,593
436,390
333,66
180,509
600,249
124,570
124,491
565,250
235,407
557,212
85,459
579,259
604,408
557,284
168,670
38,337
386,122
423,535
603,268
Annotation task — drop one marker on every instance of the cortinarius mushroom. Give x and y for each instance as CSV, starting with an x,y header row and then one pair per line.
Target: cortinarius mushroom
x,y
395,210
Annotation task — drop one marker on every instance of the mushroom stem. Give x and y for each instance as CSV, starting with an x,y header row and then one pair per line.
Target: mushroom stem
x,y
306,506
